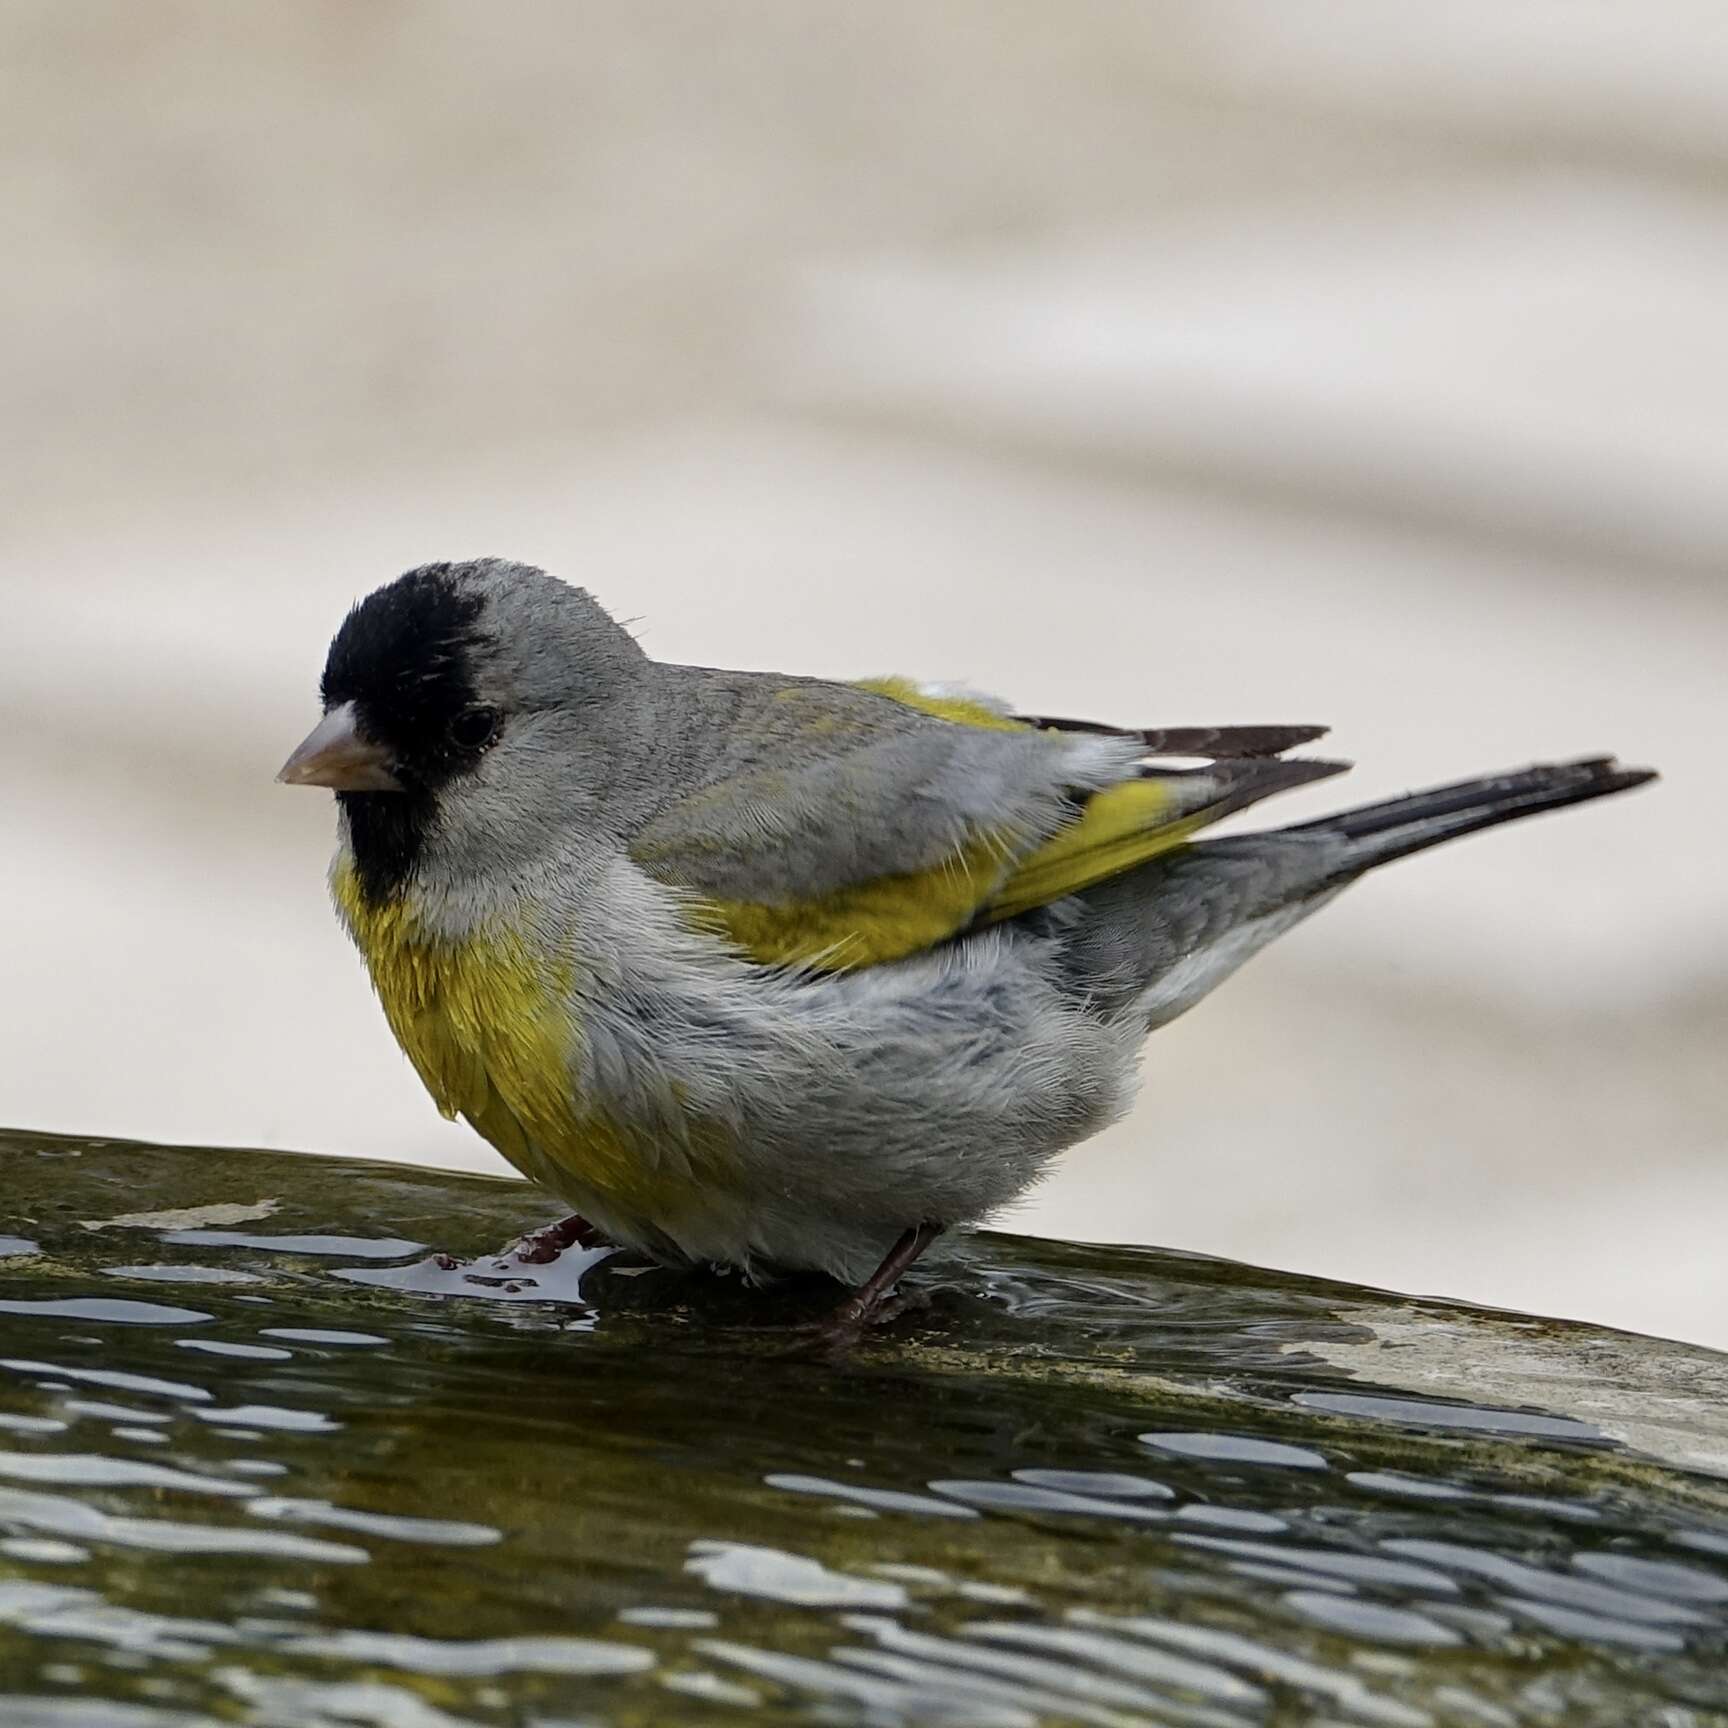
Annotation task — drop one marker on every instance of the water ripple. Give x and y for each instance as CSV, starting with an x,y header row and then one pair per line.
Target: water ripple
x,y
273,1702
520,1655
1371,1620
275,1416
1264,1663
1365,1569
910,1694
1100,1484
320,1335
90,1470
110,1310
22,1712
242,1352
1028,1497
1125,1656
749,1570
447,1531
365,1247
32,1424
878,1499
63,1611
116,1379
112,1412
1526,1580
1236,1449
177,1273
1424,1413
60,1516
1056,1686
1654,1577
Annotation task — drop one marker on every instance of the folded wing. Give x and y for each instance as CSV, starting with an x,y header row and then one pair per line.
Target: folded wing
x,y
963,815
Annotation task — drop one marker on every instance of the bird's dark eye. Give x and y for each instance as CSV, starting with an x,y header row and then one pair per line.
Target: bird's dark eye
x,y
474,728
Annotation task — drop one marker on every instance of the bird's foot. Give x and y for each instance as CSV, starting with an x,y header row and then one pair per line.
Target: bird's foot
x,y
505,1270
541,1247
847,1324
878,1301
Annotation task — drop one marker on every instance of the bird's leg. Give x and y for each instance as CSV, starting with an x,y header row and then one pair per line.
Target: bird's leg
x,y
537,1247
874,1300
541,1247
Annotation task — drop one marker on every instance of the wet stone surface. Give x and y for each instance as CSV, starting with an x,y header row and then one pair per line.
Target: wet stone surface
x,y
265,1459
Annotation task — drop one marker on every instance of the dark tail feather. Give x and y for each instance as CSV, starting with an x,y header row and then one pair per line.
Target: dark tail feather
x,y
1379,833
1158,938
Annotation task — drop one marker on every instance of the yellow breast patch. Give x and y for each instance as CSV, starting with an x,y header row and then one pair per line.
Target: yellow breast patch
x,y
484,1022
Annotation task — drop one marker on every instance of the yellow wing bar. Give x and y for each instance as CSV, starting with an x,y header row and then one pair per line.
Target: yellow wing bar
x,y
872,923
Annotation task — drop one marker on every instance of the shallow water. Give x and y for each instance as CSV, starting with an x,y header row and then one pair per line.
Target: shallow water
x,y
263,1460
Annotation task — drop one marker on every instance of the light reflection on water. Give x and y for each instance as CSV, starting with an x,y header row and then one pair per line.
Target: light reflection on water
x,y
1144,1502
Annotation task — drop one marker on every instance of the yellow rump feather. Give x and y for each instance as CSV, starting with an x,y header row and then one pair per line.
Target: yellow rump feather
x,y
963,710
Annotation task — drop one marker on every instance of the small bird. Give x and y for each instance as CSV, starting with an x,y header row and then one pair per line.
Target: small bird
x,y
780,973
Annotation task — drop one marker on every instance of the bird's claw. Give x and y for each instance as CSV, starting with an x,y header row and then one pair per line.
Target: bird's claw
x,y
541,1247
830,1336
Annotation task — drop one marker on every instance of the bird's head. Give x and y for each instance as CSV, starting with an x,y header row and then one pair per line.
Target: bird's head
x,y
461,705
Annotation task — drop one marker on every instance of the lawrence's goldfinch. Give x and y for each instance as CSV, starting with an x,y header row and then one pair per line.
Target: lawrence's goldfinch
x,y
777,972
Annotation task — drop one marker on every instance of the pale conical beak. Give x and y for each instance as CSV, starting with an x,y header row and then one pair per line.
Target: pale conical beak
x,y
334,754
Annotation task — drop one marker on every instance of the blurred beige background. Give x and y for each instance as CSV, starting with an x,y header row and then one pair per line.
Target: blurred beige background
x,y
1184,361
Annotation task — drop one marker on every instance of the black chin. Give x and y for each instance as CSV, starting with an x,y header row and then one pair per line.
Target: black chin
x,y
387,833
